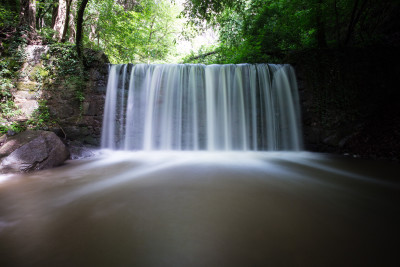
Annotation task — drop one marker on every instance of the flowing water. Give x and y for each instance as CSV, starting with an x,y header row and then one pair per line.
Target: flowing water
x,y
203,209
197,107
210,183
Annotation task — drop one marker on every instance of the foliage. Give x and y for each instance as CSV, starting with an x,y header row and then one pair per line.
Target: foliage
x,y
266,30
16,127
62,64
204,55
145,31
38,74
63,60
41,117
8,17
47,35
9,70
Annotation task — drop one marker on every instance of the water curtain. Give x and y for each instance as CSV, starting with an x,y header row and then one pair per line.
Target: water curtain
x,y
201,107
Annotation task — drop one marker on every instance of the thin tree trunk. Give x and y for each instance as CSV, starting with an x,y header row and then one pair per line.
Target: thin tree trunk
x,y
79,23
39,14
337,28
66,24
72,26
320,26
151,29
355,16
54,14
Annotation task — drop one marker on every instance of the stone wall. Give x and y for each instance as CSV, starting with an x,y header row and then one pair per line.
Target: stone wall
x,y
81,121
74,103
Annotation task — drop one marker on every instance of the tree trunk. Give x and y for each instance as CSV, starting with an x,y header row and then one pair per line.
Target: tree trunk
x,y
72,24
66,23
355,17
59,19
79,23
27,14
320,26
40,11
54,14
337,28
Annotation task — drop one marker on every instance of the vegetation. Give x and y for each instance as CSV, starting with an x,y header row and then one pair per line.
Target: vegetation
x,y
265,30
136,31
126,30
249,30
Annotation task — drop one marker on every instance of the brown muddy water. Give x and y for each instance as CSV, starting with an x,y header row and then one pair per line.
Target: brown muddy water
x,y
203,209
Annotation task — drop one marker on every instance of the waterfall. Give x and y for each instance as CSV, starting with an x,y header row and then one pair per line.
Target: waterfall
x,y
198,107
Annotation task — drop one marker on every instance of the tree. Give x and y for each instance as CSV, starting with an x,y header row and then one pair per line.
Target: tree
x,y
254,30
28,14
133,31
67,17
79,22
58,19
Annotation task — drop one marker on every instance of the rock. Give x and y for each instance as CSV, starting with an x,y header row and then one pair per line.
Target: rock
x,y
35,52
27,86
79,151
32,150
91,140
3,139
95,58
27,107
11,133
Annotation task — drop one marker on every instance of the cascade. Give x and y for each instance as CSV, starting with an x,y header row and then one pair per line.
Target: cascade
x,y
201,107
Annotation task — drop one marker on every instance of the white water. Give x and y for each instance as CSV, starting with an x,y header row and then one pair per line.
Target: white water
x,y
196,107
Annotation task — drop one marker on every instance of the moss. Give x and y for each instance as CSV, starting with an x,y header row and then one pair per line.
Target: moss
x,y
27,86
38,73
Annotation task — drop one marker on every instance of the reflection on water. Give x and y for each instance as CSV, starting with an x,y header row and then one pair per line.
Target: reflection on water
x,y
202,209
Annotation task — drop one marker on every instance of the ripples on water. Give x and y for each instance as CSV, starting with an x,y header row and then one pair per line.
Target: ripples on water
x,y
202,209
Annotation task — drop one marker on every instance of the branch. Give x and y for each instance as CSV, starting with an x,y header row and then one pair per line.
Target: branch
x,y
202,55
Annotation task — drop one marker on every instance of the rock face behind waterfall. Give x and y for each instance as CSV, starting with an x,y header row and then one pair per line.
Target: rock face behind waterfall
x,y
31,150
350,100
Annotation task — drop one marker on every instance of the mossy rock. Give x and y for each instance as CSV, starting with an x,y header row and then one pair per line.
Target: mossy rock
x,y
27,86
38,73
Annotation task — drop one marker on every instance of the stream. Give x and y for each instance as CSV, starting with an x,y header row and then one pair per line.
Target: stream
x,y
203,209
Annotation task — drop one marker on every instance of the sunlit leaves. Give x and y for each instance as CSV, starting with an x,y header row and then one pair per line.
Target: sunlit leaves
x,y
254,30
141,32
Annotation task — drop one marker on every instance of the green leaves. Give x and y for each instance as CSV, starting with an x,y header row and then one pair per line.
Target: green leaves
x,y
144,32
259,30
41,117
7,17
64,60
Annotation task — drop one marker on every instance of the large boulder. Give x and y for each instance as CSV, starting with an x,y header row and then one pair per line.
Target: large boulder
x,y
31,150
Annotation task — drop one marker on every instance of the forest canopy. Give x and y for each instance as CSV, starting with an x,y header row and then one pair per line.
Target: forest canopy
x,y
152,31
260,30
